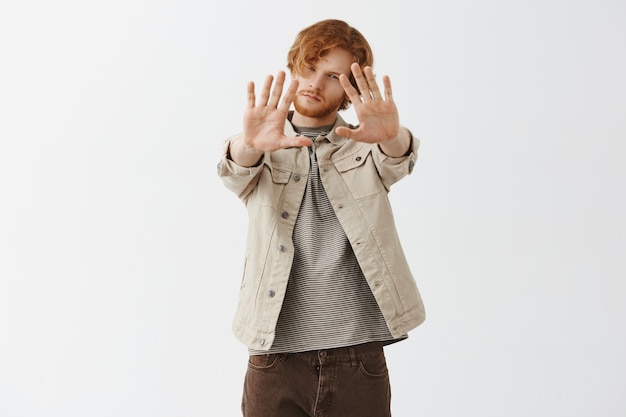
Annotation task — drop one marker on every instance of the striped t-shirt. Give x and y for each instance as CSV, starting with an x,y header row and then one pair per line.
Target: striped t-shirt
x,y
328,302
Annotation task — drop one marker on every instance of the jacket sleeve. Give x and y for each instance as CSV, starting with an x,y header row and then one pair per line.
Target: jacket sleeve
x,y
393,169
240,180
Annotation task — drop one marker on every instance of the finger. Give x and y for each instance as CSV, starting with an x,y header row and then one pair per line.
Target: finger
x,y
361,82
251,95
388,91
351,92
265,92
289,96
277,91
373,85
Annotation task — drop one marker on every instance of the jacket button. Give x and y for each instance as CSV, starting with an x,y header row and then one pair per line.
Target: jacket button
x,y
411,164
261,342
281,248
296,177
271,293
358,158
284,214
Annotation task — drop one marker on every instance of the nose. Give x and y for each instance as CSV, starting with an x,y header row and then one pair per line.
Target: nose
x,y
315,82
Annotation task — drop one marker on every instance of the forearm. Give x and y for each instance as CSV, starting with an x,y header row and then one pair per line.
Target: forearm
x,y
399,146
243,155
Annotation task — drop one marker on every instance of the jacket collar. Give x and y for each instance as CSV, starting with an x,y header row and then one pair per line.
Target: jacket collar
x,y
332,137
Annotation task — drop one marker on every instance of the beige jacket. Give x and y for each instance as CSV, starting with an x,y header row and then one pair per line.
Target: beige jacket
x,y
357,177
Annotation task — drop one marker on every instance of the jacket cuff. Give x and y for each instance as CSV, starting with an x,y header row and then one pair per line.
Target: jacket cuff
x,y
228,167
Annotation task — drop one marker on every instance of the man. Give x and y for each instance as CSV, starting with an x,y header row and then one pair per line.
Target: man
x,y
326,284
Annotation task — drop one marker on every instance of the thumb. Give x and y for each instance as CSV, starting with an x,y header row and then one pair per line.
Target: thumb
x,y
298,141
344,131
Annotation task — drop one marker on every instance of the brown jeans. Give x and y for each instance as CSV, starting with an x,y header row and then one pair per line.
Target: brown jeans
x,y
342,382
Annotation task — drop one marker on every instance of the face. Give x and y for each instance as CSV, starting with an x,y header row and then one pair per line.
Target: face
x,y
320,93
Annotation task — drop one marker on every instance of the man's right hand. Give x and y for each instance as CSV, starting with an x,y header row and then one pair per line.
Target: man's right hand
x,y
264,122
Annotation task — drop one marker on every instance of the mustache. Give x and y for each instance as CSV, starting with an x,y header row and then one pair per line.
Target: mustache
x,y
310,93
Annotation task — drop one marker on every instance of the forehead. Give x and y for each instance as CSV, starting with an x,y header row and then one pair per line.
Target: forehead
x,y
336,60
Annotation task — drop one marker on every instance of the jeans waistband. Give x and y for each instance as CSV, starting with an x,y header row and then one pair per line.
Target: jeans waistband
x,y
348,354
358,349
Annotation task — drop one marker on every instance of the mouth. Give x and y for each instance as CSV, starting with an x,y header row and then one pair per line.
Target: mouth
x,y
311,96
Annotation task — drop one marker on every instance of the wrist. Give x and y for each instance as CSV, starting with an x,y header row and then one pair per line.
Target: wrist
x,y
243,154
398,146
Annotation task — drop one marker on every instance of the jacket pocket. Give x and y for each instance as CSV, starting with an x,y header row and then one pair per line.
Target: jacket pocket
x,y
359,173
280,175
271,185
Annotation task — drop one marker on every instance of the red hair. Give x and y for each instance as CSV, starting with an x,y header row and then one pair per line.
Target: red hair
x,y
315,41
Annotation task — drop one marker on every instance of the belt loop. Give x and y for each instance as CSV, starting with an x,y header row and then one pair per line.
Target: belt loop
x,y
353,358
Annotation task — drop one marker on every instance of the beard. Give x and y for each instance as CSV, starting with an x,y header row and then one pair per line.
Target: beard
x,y
319,111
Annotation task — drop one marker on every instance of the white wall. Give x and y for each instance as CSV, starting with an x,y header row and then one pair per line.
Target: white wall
x,y
120,250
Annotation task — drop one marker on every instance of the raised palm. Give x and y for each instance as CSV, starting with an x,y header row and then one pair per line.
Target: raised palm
x,y
264,121
378,115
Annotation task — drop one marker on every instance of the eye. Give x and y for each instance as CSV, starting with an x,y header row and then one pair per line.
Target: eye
x,y
333,76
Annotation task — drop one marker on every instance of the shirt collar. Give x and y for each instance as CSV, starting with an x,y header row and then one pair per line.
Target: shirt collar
x,y
332,137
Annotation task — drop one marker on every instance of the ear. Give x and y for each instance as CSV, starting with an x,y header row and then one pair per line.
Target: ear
x,y
346,103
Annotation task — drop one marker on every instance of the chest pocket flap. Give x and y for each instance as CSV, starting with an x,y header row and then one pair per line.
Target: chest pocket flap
x,y
352,161
280,175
